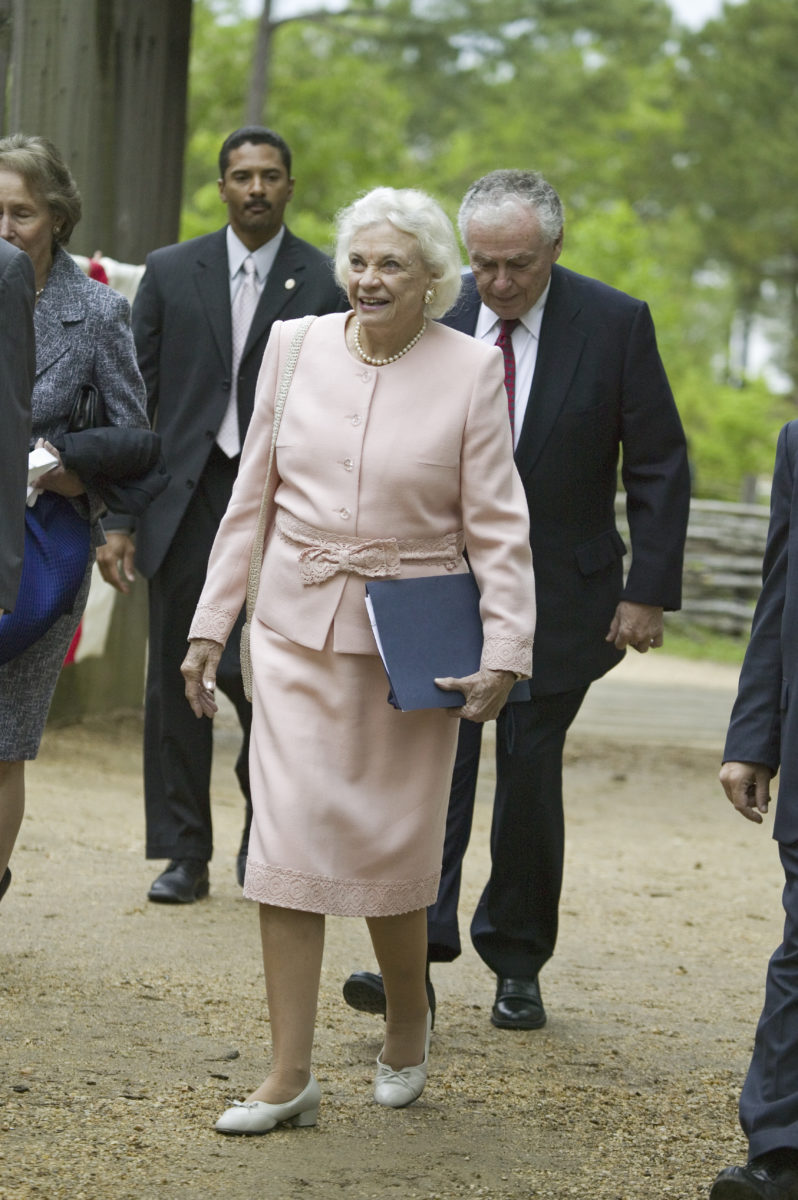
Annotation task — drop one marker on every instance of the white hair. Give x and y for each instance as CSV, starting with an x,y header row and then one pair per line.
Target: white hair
x,y
490,198
415,213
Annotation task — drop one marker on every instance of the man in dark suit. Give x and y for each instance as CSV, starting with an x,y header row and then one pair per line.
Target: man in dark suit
x,y
17,372
201,319
587,387
763,738
17,367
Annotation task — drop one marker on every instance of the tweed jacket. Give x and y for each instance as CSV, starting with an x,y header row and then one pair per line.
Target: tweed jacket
x,y
418,451
83,335
16,380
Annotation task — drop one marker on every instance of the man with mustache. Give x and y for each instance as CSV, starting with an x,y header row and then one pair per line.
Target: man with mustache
x,y
201,319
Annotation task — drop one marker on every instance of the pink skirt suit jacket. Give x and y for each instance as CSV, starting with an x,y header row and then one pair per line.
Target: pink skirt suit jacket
x,y
379,471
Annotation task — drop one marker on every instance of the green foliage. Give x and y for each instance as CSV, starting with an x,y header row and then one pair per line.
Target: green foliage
x,y
731,432
669,149
738,85
731,429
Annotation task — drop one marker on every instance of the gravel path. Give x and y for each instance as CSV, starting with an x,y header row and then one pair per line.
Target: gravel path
x,y
127,1026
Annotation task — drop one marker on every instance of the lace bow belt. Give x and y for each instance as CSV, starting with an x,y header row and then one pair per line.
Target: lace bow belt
x,y
324,554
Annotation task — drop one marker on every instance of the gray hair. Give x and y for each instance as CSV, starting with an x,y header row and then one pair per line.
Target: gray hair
x,y
502,189
412,212
39,163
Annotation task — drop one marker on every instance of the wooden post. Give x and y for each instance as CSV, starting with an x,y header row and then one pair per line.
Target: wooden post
x,y
106,80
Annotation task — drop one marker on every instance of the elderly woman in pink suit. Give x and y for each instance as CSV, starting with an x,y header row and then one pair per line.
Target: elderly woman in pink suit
x,y
395,436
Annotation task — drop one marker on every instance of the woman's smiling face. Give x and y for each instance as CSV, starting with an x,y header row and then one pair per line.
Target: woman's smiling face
x,y
386,282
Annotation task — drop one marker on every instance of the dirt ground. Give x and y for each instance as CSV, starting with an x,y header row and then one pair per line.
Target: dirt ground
x,y
126,1026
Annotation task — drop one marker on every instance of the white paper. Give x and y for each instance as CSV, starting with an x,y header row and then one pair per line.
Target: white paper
x,y
40,461
375,630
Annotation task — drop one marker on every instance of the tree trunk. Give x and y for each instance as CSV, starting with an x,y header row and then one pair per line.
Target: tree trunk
x,y
6,28
106,80
255,113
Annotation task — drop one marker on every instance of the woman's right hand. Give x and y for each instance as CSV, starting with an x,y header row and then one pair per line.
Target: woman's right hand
x,y
485,693
199,671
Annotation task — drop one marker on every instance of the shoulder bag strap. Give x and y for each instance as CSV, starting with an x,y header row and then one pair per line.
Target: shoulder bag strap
x,y
256,558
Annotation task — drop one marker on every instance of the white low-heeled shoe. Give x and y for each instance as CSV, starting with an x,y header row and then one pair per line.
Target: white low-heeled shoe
x,y
397,1089
256,1116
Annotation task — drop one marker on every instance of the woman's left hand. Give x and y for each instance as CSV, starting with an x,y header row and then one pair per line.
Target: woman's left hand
x,y
485,691
59,479
199,671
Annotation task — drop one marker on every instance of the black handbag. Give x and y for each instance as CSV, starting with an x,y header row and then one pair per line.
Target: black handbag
x,y
88,410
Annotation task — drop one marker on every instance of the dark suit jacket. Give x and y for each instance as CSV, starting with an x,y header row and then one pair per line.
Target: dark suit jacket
x,y
764,720
599,392
183,331
17,366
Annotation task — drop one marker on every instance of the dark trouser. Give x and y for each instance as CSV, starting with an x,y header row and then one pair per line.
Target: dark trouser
x,y
514,928
769,1100
178,748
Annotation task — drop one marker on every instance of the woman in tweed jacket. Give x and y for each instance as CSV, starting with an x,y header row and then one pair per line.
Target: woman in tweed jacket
x,y
82,336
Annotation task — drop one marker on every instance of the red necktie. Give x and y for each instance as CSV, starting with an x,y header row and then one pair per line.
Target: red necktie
x,y
505,342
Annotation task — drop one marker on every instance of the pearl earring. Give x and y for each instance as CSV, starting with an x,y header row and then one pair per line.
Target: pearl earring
x,y
429,295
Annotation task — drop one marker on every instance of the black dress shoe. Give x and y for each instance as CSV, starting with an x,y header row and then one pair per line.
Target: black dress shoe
x,y
364,991
4,882
772,1176
184,881
518,1005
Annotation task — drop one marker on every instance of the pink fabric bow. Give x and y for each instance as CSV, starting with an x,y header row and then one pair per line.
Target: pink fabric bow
x,y
378,559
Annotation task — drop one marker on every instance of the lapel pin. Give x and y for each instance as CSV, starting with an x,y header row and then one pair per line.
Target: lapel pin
x,y
290,283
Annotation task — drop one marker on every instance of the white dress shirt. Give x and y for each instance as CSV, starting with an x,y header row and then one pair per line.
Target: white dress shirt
x,y
525,338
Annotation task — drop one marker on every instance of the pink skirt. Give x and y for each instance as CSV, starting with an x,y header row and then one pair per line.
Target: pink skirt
x,y
349,795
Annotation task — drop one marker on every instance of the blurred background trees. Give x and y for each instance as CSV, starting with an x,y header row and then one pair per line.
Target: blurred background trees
x,y
672,148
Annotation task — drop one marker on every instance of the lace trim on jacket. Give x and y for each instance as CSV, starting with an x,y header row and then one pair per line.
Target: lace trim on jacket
x,y
508,654
212,622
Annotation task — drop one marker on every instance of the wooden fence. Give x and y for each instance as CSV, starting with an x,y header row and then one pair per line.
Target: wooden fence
x,y
722,564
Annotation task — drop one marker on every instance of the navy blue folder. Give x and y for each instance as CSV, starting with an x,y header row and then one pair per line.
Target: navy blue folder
x,y
428,628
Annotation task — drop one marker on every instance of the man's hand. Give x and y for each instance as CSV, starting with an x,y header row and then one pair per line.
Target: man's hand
x,y
199,671
485,692
636,625
748,787
117,553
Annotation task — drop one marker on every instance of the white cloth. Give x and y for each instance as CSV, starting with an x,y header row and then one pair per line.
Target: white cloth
x,y
244,304
526,339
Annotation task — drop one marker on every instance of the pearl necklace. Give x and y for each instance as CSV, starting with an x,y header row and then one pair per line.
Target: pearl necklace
x,y
383,362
